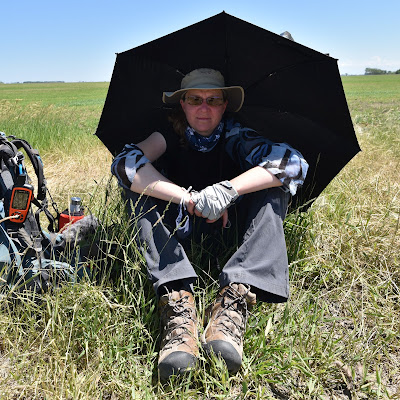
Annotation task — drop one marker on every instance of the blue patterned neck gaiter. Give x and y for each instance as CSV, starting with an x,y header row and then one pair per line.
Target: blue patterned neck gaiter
x,y
204,143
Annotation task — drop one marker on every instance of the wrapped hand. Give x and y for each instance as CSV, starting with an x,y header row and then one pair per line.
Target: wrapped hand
x,y
212,201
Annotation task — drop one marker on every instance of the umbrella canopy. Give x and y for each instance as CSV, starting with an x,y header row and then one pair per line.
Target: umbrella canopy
x,y
293,94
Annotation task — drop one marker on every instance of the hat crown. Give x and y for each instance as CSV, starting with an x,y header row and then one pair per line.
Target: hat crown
x,y
203,78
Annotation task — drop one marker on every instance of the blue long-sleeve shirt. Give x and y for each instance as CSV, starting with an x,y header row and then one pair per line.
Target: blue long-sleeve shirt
x,y
244,146
248,149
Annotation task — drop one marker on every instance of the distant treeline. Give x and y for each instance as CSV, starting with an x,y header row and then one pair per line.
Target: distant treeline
x,y
37,82
377,71
43,82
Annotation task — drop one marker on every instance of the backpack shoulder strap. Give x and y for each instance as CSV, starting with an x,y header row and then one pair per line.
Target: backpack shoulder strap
x,y
36,161
15,159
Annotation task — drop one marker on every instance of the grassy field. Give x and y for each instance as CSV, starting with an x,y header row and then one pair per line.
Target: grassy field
x,y
60,120
337,337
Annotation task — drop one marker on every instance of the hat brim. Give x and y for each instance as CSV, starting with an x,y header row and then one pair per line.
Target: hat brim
x,y
234,95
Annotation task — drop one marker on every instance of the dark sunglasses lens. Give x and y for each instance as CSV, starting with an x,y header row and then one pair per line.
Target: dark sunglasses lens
x,y
194,100
211,101
214,101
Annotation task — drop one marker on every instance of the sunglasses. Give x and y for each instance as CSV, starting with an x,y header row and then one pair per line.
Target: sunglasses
x,y
211,101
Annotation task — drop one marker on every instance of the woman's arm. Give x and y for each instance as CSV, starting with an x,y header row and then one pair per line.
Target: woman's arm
x,y
256,178
151,182
154,146
248,150
214,198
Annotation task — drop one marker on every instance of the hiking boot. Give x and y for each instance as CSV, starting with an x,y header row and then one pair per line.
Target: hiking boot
x,y
179,350
227,318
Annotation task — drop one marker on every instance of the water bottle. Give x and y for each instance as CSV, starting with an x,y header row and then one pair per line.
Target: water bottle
x,y
71,215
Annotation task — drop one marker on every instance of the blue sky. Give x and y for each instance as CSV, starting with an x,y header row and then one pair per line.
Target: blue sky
x,y
76,40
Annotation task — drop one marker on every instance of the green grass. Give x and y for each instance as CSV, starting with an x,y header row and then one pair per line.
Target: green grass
x,y
59,117
56,94
336,338
60,120
372,88
374,103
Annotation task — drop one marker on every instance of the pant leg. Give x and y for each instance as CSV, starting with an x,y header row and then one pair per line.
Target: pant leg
x,y
153,220
261,259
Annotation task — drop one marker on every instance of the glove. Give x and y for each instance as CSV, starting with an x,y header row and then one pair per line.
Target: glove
x,y
212,201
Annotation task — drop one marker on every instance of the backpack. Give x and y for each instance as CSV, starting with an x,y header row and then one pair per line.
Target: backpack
x,y
30,258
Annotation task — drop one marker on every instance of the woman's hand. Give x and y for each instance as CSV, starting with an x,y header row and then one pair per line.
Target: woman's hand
x,y
190,206
212,202
224,217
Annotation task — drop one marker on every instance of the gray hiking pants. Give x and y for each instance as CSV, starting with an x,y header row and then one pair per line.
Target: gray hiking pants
x,y
260,259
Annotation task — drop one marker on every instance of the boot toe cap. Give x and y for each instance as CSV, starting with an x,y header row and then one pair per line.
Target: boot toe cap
x,y
176,363
227,351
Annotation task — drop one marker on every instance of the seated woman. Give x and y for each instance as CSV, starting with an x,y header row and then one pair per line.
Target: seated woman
x,y
227,165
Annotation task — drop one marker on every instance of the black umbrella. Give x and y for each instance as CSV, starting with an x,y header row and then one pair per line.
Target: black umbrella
x,y
293,94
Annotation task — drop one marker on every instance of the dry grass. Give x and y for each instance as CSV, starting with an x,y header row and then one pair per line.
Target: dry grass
x,y
84,175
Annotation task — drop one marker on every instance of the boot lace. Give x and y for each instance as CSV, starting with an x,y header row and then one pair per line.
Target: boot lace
x,y
176,317
234,304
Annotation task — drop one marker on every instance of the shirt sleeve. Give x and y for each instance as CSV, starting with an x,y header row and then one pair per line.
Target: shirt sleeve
x,y
126,164
247,148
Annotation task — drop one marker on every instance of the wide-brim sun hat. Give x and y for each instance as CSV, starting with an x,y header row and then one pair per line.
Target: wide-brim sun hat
x,y
206,78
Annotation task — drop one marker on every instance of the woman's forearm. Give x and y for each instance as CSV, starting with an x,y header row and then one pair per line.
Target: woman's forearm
x,y
152,183
256,178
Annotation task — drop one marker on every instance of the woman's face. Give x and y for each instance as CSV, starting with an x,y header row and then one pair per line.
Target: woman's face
x,y
203,118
